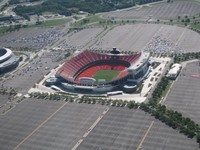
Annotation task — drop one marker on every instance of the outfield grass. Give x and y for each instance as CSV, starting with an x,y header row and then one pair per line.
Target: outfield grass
x,y
108,75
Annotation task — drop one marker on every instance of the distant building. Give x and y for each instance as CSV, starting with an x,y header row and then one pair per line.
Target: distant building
x,y
8,60
82,12
6,18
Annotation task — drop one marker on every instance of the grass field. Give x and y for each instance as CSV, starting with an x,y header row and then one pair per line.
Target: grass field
x,y
4,29
196,26
108,75
164,93
51,23
89,20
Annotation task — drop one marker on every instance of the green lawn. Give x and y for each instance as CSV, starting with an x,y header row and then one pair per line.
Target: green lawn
x,y
89,20
3,29
108,75
46,24
51,23
164,93
55,22
197,26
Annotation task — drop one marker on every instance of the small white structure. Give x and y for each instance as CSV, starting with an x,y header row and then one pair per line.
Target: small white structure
x,y
174,71
114,93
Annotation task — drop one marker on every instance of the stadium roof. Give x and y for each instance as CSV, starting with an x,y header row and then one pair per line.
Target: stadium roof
x,y
6,55
141,60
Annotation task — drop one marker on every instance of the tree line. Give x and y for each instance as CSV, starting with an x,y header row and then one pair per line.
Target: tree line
x,y
20,1
141,2
85,99
186,56
68,7
170,117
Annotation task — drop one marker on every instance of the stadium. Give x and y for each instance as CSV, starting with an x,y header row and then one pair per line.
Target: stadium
x,y
100,73
8,60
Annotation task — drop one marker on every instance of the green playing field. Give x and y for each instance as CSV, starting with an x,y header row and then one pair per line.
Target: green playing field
x,y
108,75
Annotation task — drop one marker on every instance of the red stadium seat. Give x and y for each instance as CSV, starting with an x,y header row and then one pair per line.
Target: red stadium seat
x,y
73,66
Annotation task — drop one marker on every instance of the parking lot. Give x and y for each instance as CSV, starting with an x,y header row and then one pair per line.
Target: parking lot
x,y
23,119
32,38
43,124
162,10
184,95
80,39
3,99
150,37
65,128
27,76
162,137
131,130
119,129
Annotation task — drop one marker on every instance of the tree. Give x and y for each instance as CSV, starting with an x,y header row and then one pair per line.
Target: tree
x,y
187,20
130,104
190,133
198,138
186,24
114,103
85,21
103,102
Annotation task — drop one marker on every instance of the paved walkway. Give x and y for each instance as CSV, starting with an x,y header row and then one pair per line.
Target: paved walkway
x,y
150,82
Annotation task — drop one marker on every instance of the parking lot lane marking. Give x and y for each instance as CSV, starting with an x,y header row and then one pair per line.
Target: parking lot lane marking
x,y
144,137
39,126
180,37
90,129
